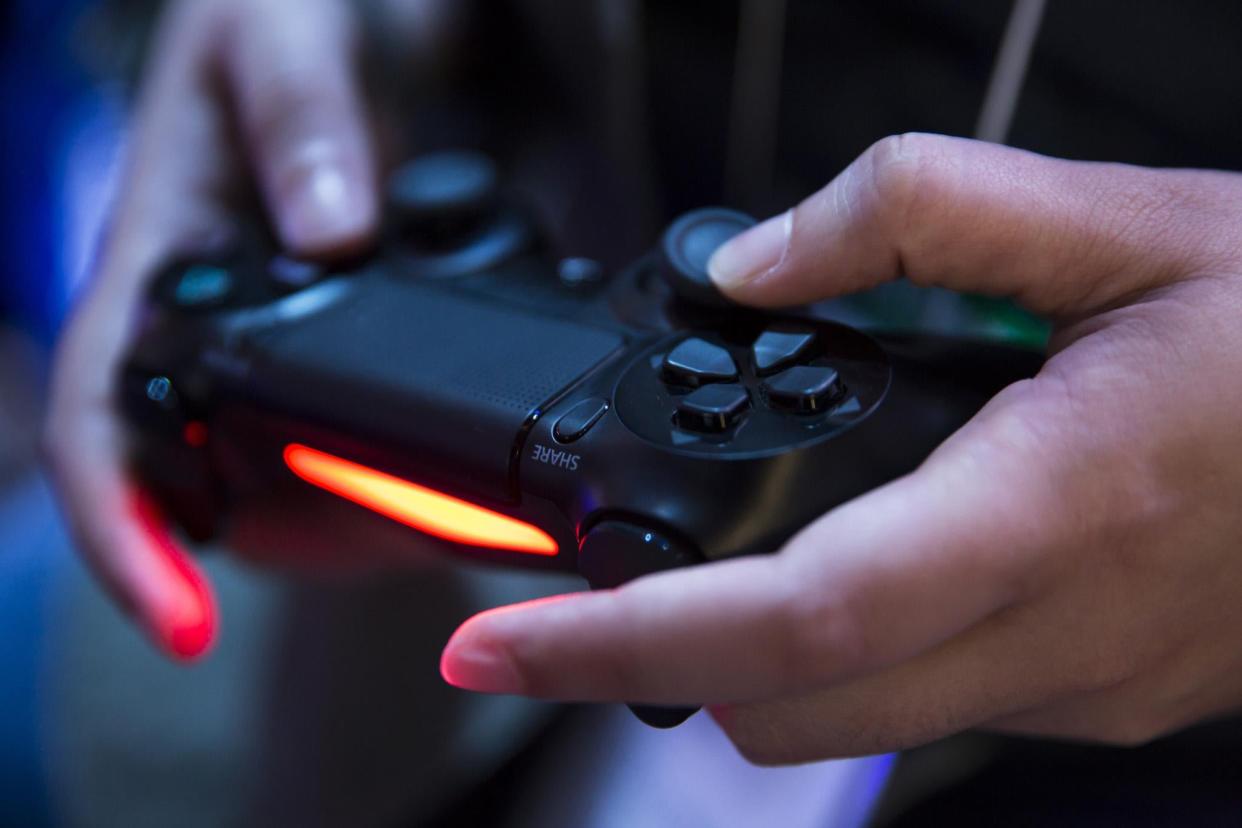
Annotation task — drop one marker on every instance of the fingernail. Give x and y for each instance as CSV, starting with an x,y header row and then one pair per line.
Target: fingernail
x,y
188,631
180,613
474,664
322,207
752,254
190,621
185,620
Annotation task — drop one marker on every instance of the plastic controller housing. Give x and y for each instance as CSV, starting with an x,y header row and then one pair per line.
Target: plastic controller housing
x,y
638,421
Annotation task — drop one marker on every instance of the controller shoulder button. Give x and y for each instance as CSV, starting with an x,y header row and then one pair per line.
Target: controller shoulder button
x,y
775,349
805,389
696,362
712,408
579,420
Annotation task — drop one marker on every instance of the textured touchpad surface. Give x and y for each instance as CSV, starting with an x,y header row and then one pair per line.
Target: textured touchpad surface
x,y
449,376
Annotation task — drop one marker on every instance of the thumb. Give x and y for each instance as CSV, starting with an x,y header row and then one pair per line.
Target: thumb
x,y
1062,237
291,71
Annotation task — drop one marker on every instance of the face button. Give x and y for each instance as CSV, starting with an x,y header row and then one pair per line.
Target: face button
x,y
713,408
579,420
688,245
202,287
697,362
289,274
805,389
776,349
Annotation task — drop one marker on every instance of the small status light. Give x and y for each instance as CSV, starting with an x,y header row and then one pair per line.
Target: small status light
x,y
158,389
416,506
195,434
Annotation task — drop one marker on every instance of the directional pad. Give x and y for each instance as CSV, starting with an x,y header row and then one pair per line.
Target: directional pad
x,y
697,362
713,408
776,349
805,389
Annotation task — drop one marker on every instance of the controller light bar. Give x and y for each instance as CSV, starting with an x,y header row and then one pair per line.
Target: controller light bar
x,y
417,506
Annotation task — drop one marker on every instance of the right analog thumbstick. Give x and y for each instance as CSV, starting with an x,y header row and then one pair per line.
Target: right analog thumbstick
x,y
688,245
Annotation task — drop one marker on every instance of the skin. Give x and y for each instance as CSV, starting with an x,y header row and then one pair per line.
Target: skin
x,y
239,90
1066,565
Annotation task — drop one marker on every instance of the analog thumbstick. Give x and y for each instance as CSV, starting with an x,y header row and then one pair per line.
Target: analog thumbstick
x,y
688,245
456,186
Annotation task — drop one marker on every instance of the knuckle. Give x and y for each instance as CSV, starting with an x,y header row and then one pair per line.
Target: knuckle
x,y
911,175
821,638
895,168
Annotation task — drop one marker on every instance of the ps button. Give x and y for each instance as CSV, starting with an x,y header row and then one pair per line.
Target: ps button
x,y
712,408
775,349
289,274
696,362
579,420
805,388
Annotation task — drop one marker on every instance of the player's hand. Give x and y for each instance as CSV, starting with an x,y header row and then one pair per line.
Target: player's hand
x,y
239,92
1068,564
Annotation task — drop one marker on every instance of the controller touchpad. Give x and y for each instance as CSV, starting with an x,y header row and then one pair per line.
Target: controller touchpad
x,y
445,375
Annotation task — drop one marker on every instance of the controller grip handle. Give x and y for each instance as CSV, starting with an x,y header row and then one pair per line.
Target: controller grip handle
x,y
615,552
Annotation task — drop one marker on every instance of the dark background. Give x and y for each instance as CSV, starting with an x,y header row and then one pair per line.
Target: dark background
x,y
1140,81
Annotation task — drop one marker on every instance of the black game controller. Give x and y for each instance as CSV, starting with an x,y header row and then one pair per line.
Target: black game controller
x,y
465,382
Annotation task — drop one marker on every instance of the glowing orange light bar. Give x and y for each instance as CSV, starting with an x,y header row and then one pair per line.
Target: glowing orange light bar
x,y
417,506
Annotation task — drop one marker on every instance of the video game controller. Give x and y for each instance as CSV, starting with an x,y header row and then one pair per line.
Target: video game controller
x,y
467,384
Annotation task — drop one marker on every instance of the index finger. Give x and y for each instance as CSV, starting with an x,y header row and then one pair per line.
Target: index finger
x,y
180,165
874,582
